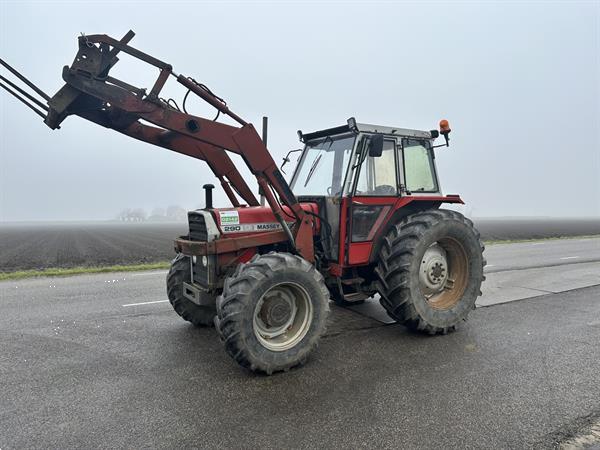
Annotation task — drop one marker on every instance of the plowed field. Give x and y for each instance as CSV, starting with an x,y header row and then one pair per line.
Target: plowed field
x,y
39,246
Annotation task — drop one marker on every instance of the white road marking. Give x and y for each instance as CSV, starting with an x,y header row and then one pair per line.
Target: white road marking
x,y
146,303
570,257
490,265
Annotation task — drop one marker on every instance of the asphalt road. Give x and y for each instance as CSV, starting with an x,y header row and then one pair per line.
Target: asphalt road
x,y
526,270
545,253
102,361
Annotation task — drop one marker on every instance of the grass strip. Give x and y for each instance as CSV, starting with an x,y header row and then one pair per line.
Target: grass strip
x,y
63,272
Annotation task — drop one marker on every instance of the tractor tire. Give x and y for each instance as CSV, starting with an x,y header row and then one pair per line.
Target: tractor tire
x,y
430,270
200,316
272,312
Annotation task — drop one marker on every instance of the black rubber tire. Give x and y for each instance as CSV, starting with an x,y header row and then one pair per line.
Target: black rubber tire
x,y
200,316
242,292
400,259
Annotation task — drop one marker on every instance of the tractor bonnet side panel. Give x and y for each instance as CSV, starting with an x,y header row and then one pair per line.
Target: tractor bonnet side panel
x,y
234,222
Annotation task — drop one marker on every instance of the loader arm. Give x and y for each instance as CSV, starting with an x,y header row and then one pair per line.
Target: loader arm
x,y
92,94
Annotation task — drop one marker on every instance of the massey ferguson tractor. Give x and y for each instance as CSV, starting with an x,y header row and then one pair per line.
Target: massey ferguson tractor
x,y
360,217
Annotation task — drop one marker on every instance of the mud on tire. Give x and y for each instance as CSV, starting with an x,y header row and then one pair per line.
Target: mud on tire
x,y
272,312
180,272
430,270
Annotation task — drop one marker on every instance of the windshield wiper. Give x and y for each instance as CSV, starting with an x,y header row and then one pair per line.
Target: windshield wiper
x,y
313,167
315,163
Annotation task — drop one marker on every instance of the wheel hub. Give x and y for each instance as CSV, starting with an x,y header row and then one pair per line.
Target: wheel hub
x,y
437,271
434,270
277,311
282,316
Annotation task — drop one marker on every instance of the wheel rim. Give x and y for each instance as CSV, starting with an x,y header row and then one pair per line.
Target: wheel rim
x,y
282,316
443,273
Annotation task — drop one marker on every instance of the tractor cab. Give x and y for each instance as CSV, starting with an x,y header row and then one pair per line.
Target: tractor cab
x,y
366,160
361,175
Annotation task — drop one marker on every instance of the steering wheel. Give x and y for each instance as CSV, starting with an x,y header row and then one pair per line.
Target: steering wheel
x,y
385,189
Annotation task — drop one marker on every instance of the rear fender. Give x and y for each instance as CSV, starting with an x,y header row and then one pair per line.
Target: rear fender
x,y
404,209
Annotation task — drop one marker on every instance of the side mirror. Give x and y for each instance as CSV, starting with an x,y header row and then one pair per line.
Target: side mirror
x,y
287,159
376,145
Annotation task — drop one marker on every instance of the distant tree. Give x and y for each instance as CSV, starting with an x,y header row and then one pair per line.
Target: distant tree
x,y
124,215
158,212
176,213
158,215
138,215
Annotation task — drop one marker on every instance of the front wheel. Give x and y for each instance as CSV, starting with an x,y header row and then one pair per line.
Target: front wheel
x,y
272,312
431,270
180,272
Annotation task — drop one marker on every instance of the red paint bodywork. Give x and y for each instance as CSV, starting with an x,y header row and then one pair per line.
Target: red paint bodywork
x,y
242,246
361,253
261,215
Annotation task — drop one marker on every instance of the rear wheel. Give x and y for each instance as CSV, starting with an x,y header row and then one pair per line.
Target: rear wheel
x,y
180,272
272,312
431,270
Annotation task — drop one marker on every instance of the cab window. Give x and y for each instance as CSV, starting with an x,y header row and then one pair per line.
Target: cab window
x,y
378,174
419,174
323,166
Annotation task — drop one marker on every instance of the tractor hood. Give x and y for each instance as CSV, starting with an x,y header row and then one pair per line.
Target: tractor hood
x,y
254,219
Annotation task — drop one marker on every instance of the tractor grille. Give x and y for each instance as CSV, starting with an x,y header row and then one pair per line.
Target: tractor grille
x,y
201,272
198,231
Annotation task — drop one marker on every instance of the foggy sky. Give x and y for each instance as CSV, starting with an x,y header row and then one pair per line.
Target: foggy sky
x,y
519,83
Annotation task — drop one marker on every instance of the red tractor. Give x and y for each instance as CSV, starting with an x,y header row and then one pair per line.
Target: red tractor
x,y
360,217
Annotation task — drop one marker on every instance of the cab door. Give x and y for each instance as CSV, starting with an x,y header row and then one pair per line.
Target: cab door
x,y
417,165
376,189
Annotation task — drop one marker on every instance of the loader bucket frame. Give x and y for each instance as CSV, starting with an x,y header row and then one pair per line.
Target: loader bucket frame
x,y
91,93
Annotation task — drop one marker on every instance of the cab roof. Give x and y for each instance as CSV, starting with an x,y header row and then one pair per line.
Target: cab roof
x,y
355,127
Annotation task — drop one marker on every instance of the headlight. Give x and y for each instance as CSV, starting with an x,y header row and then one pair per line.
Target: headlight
x,y
204,261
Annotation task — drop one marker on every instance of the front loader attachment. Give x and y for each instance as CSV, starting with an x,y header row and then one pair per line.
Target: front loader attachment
x,y
91,93
35,104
